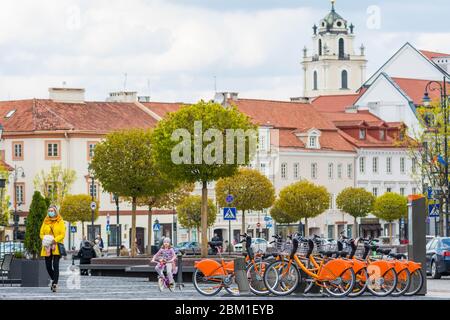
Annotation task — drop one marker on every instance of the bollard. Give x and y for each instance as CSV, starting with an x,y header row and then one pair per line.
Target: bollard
x,y
240,275
180,284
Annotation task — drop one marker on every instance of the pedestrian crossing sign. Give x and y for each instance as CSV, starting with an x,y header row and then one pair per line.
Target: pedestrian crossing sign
x,y
229,213
433,210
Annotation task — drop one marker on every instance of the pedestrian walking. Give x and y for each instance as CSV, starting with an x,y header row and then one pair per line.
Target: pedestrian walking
x,y
97,249
100,242
85,254
52,233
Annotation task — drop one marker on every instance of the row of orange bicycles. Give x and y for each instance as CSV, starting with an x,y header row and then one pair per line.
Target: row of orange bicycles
x,y
346,267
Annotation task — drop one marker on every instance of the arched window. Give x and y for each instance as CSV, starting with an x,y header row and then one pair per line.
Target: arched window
x,y
344,79
341,48
315,81
320,47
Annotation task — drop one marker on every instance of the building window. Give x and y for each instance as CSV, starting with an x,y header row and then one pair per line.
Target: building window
x,y
313,141
315,81
414,190
375,192
296,170
262,142
382,134
402,191
362,165
349,171
93,190
344,79
52,191
339,171
113,241
90,149
52,150
20,194
330,171
262,168
284,170
341,48
17,151
413,165
389,165
388,189
314,170
402,165
331,231
375,164
331,205
362,134
320,47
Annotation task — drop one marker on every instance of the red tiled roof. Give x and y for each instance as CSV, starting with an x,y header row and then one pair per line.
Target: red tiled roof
x,y
291,118
370,142
363,115
162,108
334,103
415,89
430,54
283,114
47,115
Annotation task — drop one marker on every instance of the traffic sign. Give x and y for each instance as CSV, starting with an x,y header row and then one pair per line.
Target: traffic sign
x,y
93,205
108,228
156,227
433,210
430,192
269,225
267,218
229,214
229,199
73,229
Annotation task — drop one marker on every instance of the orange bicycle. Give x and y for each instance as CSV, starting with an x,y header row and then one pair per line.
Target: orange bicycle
x,y
336,276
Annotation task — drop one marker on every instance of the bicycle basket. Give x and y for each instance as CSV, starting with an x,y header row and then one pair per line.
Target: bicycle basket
x,y
303,249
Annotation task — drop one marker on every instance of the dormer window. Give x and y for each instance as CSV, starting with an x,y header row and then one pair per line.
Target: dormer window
x,y
362,134
382,134
313,141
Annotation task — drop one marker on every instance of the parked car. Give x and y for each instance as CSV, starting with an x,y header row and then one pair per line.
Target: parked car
x,y
188,247
429,238
438,257
258,244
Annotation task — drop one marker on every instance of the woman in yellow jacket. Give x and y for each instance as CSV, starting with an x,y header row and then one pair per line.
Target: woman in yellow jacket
x,y
53,225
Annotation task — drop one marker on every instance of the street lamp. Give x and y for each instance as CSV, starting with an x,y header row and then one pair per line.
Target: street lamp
x,y
91,175
15,176
442,87
118,236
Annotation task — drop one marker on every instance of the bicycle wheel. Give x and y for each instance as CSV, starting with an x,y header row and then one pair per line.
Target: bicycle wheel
x,y
360,284
231,286
382,285
403,282
206,286
416,283
342,285
255,275
280,278
161,284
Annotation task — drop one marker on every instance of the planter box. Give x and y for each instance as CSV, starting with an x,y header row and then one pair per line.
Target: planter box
x,y
16,269
34,273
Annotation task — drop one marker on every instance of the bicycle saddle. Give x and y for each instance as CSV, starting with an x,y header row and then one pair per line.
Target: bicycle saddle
x,y
398,256
384,251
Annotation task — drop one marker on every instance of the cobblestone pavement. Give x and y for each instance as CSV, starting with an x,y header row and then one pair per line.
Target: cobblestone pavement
x,y
74,287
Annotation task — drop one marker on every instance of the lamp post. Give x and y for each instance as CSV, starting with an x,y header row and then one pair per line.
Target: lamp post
x,y
91,176
442,87
118,236
15,175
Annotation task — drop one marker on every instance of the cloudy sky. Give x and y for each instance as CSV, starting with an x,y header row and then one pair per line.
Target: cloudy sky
x,y
174,49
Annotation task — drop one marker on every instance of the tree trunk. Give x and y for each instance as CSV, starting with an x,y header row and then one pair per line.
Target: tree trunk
x,y
243,229
355,229
390,232
204,223
306,228
441,218
133,227
149,233
82,229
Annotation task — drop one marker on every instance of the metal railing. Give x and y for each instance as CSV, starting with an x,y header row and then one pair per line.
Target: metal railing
x,y
11,247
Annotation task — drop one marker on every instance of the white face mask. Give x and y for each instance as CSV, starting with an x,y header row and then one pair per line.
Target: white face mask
x,y
51,214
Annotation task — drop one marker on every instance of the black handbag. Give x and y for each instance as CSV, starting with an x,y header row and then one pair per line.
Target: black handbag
x,y
61,247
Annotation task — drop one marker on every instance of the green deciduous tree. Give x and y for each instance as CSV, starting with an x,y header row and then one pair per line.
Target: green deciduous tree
x,y
38,211
251,191
281,216
190,215
77,208
303,200
188,149
357,202
389,207
55,184
123,164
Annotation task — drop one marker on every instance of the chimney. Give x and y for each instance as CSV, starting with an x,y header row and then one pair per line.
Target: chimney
x,y
67,95
123,96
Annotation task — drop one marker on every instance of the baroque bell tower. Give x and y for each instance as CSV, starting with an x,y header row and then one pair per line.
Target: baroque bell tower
x,y
333,68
